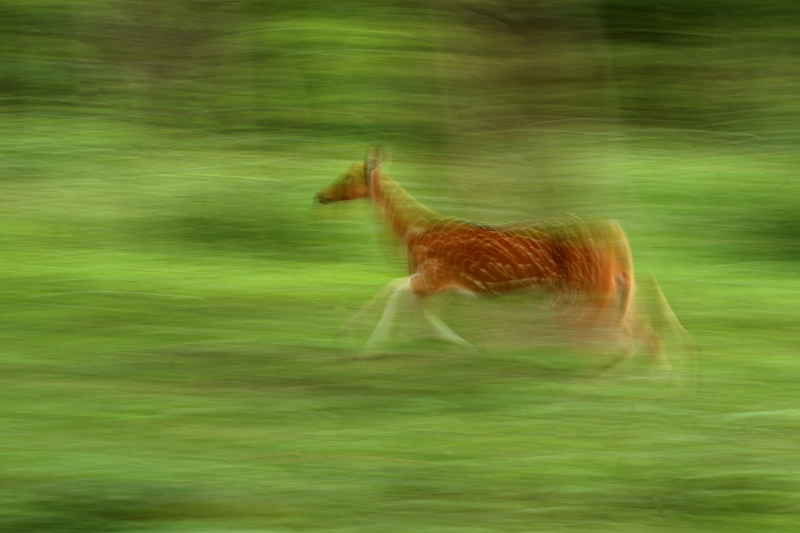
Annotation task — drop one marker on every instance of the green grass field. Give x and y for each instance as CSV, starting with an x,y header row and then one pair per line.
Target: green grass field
x,y
170,356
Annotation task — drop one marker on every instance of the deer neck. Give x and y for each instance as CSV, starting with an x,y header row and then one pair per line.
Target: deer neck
x,y
401,211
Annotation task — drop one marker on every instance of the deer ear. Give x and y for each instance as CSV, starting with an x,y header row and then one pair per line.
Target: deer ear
x,y
373,160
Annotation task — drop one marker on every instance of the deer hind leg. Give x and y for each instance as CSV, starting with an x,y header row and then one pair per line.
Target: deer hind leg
x,y
638,329
650,340
631,327
623,331
667,320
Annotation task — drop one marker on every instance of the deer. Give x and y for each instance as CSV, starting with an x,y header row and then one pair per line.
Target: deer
x,y
583,263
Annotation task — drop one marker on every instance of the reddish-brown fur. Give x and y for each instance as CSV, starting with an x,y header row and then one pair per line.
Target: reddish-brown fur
x,y
584,262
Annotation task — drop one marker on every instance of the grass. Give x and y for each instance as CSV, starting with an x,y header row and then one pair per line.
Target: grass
x,y
170,359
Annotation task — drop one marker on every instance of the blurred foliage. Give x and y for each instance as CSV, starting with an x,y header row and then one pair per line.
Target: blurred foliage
x,y
170,358
404,70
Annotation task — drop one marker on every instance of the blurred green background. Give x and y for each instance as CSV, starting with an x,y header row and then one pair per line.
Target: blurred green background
x,y
170,358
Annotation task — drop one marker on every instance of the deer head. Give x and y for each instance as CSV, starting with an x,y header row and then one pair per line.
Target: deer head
x,y
359,181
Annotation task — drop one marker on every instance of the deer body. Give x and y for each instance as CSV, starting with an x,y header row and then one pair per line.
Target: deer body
x,y
583,262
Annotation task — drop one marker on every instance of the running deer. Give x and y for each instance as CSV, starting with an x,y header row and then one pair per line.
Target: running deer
x,y
584,263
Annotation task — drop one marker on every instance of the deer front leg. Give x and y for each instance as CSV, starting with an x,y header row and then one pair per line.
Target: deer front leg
x,y
442,329
403,286
431,278
388,288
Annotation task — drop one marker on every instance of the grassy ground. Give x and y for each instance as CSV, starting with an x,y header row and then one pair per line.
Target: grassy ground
x,y
170,360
